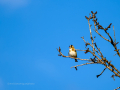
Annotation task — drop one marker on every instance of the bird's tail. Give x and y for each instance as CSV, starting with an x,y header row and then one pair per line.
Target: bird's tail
x,y
76,60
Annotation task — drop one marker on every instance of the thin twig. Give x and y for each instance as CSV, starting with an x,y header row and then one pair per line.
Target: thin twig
x,y
117,88
83,64
114,35
79,50
87,43
101,35
98,49
101,72
90,32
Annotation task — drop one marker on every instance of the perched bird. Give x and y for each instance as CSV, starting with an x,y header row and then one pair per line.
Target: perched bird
x,y
72,52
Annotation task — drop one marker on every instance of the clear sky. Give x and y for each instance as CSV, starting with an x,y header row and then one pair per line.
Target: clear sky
x,y
30,32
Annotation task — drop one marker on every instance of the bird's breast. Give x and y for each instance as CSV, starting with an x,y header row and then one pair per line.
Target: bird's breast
x,y
73,53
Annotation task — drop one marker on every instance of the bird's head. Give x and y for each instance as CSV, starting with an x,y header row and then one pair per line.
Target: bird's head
x,y
71,46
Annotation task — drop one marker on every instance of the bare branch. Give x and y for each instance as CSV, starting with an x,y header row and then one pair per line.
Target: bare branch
x,y
98,50
114,35
101,35
103,61
87,43
79,50
96,24
83,64
98,58
117,88
60,54
113,77
90,32
101,72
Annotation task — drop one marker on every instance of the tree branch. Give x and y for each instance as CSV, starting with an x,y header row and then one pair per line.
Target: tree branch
x,y
60,54
117,88
83,64
96,24
101,72
101,36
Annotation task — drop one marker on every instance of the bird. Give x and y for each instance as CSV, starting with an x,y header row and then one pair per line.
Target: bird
x,y
72,52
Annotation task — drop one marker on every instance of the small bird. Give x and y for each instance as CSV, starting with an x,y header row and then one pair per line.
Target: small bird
x,y
72,52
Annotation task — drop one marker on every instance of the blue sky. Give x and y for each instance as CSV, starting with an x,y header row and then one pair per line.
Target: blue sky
x,y
30,32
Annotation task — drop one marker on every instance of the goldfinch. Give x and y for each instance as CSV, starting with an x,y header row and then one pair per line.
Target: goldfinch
x,y
72,52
